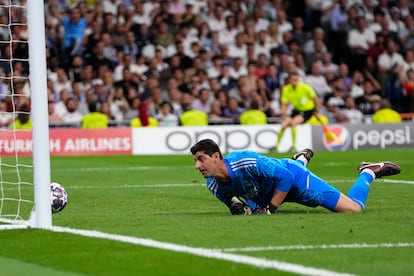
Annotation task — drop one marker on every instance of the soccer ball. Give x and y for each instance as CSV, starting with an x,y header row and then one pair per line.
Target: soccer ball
x,y
59,197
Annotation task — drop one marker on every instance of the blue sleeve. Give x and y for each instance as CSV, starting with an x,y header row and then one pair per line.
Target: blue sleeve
x,y
275,169
212,186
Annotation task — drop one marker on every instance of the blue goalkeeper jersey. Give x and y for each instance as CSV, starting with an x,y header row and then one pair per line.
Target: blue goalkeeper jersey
x,y
255,177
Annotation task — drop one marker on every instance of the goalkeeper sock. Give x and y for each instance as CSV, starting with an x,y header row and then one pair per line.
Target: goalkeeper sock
x,y
359,191
293,129
279,137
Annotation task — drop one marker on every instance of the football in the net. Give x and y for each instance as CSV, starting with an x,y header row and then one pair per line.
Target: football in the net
x,y
59,197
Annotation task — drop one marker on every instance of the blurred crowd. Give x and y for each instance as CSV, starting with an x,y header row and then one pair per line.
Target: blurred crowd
x,y
196,62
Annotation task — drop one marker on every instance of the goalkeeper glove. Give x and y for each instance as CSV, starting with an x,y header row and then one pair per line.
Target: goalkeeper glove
x,y
271,209
239,206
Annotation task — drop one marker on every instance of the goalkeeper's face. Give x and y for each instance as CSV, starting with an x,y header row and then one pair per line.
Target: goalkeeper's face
x,y
207,165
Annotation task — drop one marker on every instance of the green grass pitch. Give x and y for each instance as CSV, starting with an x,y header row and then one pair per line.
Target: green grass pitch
x,y
164,198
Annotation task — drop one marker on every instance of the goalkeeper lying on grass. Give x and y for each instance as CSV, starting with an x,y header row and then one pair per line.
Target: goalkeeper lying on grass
x,y
251,183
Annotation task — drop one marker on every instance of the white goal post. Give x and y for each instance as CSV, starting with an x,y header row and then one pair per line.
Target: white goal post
x,y
41,216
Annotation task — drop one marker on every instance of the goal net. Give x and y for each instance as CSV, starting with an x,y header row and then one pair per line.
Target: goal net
x,y
24,136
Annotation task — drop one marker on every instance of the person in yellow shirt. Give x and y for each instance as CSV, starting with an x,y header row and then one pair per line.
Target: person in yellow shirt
x,y
193,117
94,119
23,120
385,114
136,122
253,116
305,103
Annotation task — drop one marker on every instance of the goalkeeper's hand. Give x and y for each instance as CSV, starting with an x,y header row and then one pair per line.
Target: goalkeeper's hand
x,y
271,209
239,206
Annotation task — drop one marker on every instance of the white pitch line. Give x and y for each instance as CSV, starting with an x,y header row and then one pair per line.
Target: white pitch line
x,y
399,181
203,252
315,247
167,185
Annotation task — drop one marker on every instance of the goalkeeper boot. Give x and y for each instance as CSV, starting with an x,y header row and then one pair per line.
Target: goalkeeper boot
x,y
306,153
380,169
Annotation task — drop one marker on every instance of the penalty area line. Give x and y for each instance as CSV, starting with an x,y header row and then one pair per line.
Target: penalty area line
x,y
203,252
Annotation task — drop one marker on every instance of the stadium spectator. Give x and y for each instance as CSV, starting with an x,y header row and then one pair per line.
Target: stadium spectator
x,y
318,36
238,69
53,117
253,115
215,116
163,37
72,115
215,70
407,35
371,92
407,84
316,55
316,11
333,110
226,80
353,115
118,104
233,109
98,59
227,35
94,119
299,33
338,32
203,101
383,112
74,26
193,117
247,182
23,120
239,48
217,21
327,66
360,39
61,81
6,118
272,78
263,97
318,81
111,6
389,64
60,106
165,116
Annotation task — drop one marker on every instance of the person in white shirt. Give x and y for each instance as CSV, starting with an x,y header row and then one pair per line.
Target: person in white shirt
x,y
127,61
228,34
111,6
261,46
389,64
318,81
165,116
239,48
217,21
6,118
351,112
72,114
360,39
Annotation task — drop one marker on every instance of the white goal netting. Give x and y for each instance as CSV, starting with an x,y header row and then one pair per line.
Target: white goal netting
x,y
16,170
